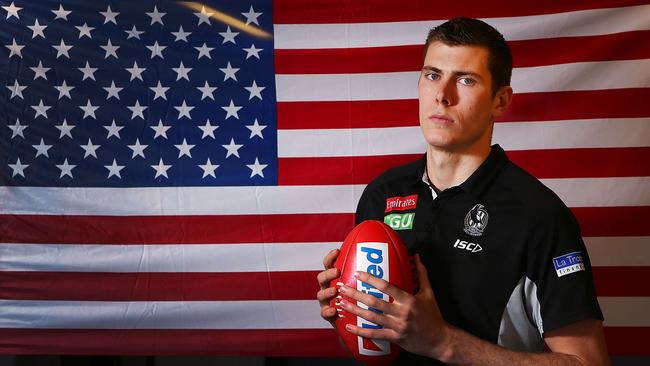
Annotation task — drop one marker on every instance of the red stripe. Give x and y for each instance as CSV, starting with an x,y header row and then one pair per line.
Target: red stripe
x,y
92,286
622,281
613,221
594,221
561,163
526,53
174,229
351,11
617,103
298,285
272,342
628,341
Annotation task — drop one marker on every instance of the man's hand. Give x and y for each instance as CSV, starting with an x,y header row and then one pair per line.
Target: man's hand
x,y
326,292
413,322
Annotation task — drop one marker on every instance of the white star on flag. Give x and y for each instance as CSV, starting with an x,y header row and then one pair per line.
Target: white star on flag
x,y
204,16
257,168
84,30
41,149
110,49
109,16
17,129
40,70
229,36
16,90
137,110
232,148
160,129
61,13
19,168
113,91
181,35
251,16
133,33
161,169
232,110
256,129
184,110
207,90
89,72
41,109
15,48
114,169
229,72
12,10
138,149
135,71
37,29
184,149
65,128
182,72
66,169
89,110
156,50
208,129
159,90
90,149
64,90
62,49
252,51
156,17
204,51
254,90
208,169
113,130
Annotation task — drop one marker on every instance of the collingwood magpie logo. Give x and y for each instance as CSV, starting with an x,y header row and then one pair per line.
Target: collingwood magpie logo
x,y
476,220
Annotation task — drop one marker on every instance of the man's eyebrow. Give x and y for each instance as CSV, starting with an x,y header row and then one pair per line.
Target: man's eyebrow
x,y
455,72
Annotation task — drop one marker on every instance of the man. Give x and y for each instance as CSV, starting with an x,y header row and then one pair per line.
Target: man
x,y
501,263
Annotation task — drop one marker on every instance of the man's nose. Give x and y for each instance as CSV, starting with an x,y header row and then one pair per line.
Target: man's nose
x,y
445,93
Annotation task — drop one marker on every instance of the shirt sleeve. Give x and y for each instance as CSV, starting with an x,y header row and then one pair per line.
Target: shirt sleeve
x,y
559,266
371,205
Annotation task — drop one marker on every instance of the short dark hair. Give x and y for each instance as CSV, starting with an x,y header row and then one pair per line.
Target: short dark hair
x,y
473,32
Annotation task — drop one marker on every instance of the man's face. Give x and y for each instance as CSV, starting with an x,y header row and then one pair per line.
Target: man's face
x,y
455,94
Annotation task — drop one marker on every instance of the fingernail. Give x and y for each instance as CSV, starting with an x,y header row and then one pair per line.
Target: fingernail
x,y
342,289
343,303
339,297
356,274
340,284
341,315
348,327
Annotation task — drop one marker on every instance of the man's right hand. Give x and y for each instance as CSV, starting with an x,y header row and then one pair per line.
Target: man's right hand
x,y
326,292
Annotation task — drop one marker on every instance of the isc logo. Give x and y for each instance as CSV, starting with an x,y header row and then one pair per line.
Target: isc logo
x,y
472,247
372,257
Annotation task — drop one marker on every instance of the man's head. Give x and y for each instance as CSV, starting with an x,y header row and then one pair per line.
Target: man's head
x,y
463,86
474,32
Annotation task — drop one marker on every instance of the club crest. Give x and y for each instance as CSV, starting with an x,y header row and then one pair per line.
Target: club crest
x,y
476,220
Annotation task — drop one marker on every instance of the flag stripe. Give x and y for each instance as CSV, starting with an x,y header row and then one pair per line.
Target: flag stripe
x,y
257,342
237,286
623,281
557,163
568,24
272,342
255,257
350,11
51,229
631,251
251,314
567,105
371,86
591,133
575,192
526,53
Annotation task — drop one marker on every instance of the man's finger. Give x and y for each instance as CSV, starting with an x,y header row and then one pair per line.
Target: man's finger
x,y
330,257
324,296
369,300
372,333
325,277
383,286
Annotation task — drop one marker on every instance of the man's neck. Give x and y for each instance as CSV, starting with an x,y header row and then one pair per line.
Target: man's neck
x,y
448,169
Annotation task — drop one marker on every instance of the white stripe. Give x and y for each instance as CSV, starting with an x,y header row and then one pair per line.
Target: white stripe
x,y
602,192
165,258
619,251
288,314
257,257
267,314
180,200
603,75
568,24
625,311
587,133
575,192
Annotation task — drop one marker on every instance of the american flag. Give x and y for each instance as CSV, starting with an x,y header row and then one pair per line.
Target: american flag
x,y
173,172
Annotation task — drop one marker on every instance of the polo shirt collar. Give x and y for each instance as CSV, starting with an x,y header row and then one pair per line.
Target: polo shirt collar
x,y
482,176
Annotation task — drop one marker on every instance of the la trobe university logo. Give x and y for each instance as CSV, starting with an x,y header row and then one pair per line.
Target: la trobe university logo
x,y
476,220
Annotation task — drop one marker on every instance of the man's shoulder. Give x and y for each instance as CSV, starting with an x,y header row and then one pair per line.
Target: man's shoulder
x,y
398,176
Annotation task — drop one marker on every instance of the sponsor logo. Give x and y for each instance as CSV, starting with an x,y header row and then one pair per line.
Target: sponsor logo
x,y
400,221
568,263
470,247
476,220
372,257
401,203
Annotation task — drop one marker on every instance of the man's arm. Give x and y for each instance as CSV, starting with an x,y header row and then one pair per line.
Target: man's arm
x,y
414,322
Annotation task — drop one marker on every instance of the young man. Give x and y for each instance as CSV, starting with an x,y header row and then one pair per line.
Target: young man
x,y
501,263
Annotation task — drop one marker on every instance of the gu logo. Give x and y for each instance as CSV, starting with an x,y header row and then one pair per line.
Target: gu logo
x,y
476,220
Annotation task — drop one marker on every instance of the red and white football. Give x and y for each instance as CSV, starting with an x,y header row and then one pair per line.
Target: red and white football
x,y
375,248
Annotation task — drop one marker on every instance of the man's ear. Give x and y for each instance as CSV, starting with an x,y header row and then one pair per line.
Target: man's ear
x,y
501,101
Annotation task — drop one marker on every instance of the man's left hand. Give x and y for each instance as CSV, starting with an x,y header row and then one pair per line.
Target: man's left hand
x,y
411,321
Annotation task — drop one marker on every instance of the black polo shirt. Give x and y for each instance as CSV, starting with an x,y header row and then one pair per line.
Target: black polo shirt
x,y
504,254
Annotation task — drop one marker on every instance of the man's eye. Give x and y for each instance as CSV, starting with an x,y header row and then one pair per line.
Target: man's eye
x,y
432,76
467,81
